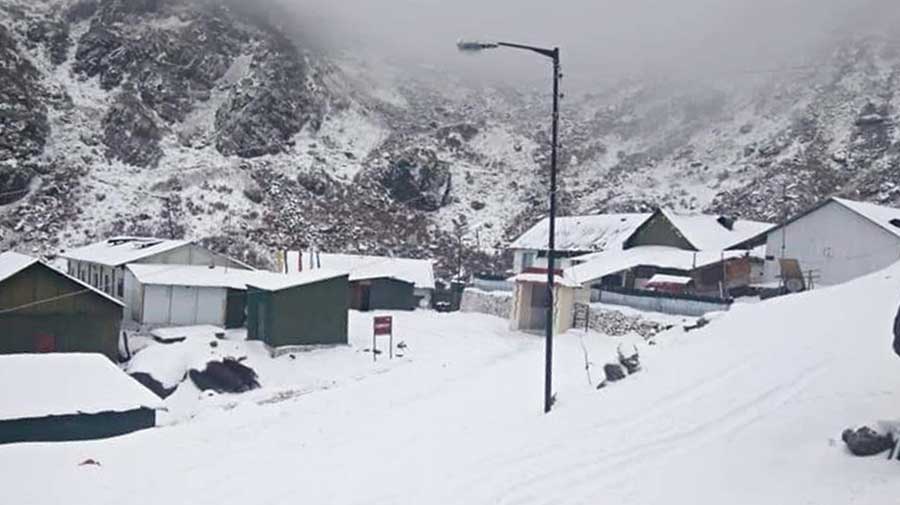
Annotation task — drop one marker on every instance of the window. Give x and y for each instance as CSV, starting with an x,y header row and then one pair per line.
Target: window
x,y
107,287
528,260
120,288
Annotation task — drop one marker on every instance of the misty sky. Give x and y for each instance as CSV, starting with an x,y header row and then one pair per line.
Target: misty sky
x,y
600,38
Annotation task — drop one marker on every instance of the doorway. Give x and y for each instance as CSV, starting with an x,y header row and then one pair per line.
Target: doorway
x,y
540,301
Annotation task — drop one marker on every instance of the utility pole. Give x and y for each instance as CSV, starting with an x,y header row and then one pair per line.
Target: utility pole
x,y
551,252
476,46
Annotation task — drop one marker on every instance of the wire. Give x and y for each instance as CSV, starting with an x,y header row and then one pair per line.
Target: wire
x,y
45,301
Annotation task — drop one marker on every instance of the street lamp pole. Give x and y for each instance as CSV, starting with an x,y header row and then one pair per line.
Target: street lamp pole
x,y
551,242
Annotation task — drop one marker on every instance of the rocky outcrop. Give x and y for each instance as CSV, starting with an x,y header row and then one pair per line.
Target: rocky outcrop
x,y
418,179
130,131
23,111
14,181
269,107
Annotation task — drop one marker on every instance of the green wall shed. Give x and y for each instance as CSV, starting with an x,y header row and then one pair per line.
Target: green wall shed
x,y
299,309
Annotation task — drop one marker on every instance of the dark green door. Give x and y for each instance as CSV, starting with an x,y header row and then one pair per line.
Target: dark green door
x,y
261,315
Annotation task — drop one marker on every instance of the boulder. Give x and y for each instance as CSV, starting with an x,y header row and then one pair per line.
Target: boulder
x,y
614,373
227,376
866,442
418,179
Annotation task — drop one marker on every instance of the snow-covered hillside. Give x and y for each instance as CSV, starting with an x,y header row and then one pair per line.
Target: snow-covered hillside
x,y
208,119
746,410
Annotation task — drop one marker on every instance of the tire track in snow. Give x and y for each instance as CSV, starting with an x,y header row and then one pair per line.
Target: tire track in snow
x,y
589,473
638,417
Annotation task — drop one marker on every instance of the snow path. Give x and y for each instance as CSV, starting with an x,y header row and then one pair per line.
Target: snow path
x,y
745,411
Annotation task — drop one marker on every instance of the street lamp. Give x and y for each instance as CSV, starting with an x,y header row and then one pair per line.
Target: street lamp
x,y
476,46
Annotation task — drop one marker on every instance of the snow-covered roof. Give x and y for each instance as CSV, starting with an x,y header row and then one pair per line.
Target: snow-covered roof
x,y
12,263
118,251
194,275
419,272
669,279
271,281
707,233
38,385
878,214
599,265
220,277
541,278
582,233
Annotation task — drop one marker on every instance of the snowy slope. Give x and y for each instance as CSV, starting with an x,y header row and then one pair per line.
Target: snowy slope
x,y
745,411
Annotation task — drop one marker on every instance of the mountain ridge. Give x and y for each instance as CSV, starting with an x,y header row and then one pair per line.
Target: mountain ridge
x,y
200,120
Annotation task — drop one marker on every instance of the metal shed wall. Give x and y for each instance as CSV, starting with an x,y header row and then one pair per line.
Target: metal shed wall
x,y
384,294
183,305
76,426
82,322
310,314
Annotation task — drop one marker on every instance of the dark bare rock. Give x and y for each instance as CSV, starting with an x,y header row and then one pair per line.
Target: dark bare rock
x,y
866,442
262,115
316,182
418,179
226,376
149,382
14,181
23,111
81,10
131,133
455,136
53,35
613,372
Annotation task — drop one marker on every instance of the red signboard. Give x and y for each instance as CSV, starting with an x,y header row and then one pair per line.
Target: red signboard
x,y
383,325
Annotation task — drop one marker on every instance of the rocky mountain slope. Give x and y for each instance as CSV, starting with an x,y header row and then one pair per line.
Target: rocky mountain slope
x,y
201,119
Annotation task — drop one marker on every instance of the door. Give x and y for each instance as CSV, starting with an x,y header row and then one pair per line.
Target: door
x,y
365,297
261,315
184,305
157,300
44,343
236,309
540,300
211,306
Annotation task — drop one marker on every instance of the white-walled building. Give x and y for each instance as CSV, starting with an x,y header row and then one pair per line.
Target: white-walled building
x,y
575,236
187,295
835,241
102,264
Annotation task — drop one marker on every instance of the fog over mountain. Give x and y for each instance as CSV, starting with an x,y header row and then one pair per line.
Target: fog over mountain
x,y
602,40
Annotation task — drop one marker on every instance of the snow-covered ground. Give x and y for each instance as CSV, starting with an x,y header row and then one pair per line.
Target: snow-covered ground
x,y
747,410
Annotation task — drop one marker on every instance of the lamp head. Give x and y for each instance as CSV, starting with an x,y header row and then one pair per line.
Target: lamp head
x,y
474,46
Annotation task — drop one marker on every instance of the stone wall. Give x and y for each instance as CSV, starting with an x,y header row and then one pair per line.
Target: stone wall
x,y
497,303
615,324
